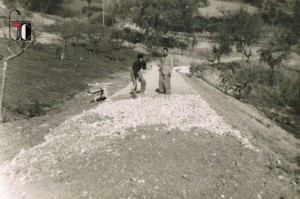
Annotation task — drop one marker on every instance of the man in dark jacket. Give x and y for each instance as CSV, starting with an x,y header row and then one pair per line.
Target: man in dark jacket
x,y
137,73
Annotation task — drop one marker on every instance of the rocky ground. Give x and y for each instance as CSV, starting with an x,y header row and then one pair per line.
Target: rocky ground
x,y
194,143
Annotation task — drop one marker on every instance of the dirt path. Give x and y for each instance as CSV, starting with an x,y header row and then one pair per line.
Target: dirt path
x,y
156,146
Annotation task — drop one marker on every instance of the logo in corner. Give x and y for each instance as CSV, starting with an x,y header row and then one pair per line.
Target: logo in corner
x,y
22,28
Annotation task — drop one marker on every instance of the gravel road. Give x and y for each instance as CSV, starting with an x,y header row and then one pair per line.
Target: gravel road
x,y
155,146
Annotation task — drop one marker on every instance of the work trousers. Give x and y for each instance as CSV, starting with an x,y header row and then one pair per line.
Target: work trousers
x,y
141,79
164,83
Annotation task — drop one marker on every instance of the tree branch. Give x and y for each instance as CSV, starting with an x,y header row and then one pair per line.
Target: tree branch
x,y
11,52
19,52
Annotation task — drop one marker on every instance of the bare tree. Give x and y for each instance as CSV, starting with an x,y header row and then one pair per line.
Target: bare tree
x,y
18,51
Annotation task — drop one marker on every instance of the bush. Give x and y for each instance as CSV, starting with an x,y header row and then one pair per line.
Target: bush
x,y
238,79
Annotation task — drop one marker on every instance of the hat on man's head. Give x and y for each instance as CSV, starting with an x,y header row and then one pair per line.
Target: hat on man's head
x,y
140,55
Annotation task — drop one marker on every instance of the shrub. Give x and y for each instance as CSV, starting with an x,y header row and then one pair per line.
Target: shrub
x,y
237,79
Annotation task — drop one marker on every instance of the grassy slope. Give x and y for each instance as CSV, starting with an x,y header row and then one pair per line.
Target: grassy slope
x,y
37,80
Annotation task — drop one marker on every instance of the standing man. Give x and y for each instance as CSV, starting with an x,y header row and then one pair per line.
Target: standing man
x,y
165,72
137,73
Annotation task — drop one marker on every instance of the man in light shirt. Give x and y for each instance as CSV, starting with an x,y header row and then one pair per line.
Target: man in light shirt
x,y
165,72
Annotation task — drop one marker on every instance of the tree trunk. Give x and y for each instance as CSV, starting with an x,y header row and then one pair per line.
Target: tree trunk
x,y
2,91
248,55
3,29
63,51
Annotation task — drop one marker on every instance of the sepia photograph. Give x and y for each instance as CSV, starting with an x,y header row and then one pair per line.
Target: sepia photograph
x,y
150,99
